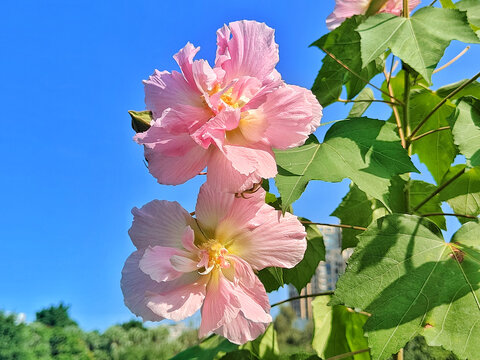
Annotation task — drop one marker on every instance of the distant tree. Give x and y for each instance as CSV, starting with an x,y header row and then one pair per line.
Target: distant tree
x,y
290,338
133,324
55,316
13,339
68,343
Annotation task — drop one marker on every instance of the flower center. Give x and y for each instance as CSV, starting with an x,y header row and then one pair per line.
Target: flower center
x,y
213,256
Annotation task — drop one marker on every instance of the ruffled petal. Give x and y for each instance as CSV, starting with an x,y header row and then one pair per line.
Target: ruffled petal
x,y
247,160
159,223
240,330
164,90
134,284
184,59
292,114
182,299
251,50
174,170
345,9
272,230
222,175
220,306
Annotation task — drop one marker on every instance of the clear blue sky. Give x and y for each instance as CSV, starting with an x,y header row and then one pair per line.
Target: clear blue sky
x,y
70,172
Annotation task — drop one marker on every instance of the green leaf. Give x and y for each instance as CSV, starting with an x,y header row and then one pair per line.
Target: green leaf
x,y
344,44
338,330
240,355
466,129
271,278
301,274
437,150
365,150
463,195
472,89
419,190
363,102
420,40
140,120
447,4
472,7
413,282
358,209
213,347
264,347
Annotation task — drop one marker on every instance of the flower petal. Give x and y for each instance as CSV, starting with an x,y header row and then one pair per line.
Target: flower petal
x,y
240,330
272,230
184,59
251,50
159,223
212,206
258,159
184,297
164,90
292,113
134,284
222,175
156,263
174,170
220,306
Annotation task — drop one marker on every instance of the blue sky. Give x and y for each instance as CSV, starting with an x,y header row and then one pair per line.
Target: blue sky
x,y
70,170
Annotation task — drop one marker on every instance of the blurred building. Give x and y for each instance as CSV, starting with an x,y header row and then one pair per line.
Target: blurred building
x,y
327,273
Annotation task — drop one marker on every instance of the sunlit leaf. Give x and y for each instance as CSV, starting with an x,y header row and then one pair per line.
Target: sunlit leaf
x,y
365,150
420,40
363,101
338,330
413,282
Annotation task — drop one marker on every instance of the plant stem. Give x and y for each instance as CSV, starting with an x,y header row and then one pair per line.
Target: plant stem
x,y
343,356
406,10
440,188
303,297
354,73
395,110
429,132
444,100
449,214
453,60
335,225
373,100
399,355
406,122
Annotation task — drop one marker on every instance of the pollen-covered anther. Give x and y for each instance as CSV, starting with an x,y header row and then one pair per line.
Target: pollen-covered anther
x,y
213,256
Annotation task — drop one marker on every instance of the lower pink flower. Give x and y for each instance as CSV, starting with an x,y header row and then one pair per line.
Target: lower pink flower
x,y
183,264
348,8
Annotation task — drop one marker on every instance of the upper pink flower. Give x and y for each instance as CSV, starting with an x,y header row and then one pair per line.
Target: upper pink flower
x,y
183,264
347,8
228,117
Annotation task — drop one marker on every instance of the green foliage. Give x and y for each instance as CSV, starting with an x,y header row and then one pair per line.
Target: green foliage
x,y
140,120
466,129
472,7
419,190
338,330
464,194
214,347
332,76
363,101
419,41
55,316
265,346
367,151
357,208
395,273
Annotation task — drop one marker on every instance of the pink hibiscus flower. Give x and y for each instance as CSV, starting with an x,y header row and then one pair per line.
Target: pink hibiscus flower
x,y
183,263
347,8
229,117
